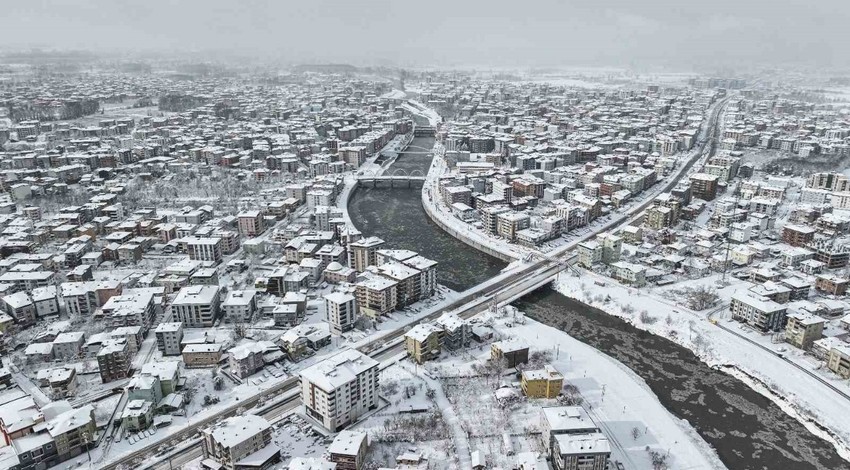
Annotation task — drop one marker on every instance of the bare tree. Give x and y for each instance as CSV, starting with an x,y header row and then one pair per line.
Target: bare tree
x,y
699,297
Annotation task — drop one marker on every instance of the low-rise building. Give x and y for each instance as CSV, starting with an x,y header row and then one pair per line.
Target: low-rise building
x,y
240,442
202,355
513,352
422,342
761,313
348,450
803,329
542,383
838,360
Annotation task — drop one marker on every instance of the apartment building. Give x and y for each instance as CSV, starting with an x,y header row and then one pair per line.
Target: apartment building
x,y
251,223
557,420
512,352
612,247
407,279
205,249
581,452
376,295
803,329
340,311
509,223
364,253
196,306
247,359
542,383
348,450
704,186
629,273
340,389
759,312
202,355
241,442
422,342
658,217
838,360
63,434
132,308
168,338
831,284
797,235
113,360
589,253
240,305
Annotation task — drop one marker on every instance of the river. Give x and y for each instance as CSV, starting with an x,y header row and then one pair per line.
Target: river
x,y
747,430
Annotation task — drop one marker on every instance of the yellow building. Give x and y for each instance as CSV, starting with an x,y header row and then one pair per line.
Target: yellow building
x,y
803,329
838,360
423,342
542,383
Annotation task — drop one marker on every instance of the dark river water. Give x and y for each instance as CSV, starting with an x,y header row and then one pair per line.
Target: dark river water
x,y
747,430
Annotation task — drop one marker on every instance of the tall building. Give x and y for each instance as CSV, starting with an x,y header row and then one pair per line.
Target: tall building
x,y
168,338
113,360
704,186
363,253
612,246
196,306
340,389
341,311
251,223
376,295
204,249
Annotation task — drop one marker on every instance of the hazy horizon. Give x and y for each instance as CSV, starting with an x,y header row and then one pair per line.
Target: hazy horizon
x,y
498,33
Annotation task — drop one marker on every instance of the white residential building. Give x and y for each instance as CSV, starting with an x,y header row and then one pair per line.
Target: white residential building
x,y
197,306
240,442
340,389
240,305
168,338
341,311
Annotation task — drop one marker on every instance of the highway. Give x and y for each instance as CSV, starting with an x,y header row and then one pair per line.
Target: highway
x,y
502,289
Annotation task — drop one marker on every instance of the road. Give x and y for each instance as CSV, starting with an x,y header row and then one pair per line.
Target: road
x,y
504,288
776,355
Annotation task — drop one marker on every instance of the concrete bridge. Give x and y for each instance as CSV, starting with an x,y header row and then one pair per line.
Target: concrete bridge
x,y
424,131
393,180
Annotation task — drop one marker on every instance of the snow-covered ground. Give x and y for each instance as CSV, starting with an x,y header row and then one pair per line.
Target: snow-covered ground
x,y
471,419
768,371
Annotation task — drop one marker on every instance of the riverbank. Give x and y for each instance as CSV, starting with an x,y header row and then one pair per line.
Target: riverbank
x,y
617,399
819,408
397,145
457,228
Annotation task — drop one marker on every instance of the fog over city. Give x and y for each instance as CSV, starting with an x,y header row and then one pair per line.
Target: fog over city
x,y
496,33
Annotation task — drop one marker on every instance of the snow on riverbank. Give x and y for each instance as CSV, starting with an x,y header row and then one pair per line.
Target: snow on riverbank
x,y
421,109
822,410
619,400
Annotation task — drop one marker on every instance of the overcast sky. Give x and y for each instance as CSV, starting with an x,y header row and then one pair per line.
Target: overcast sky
x,y
451,32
